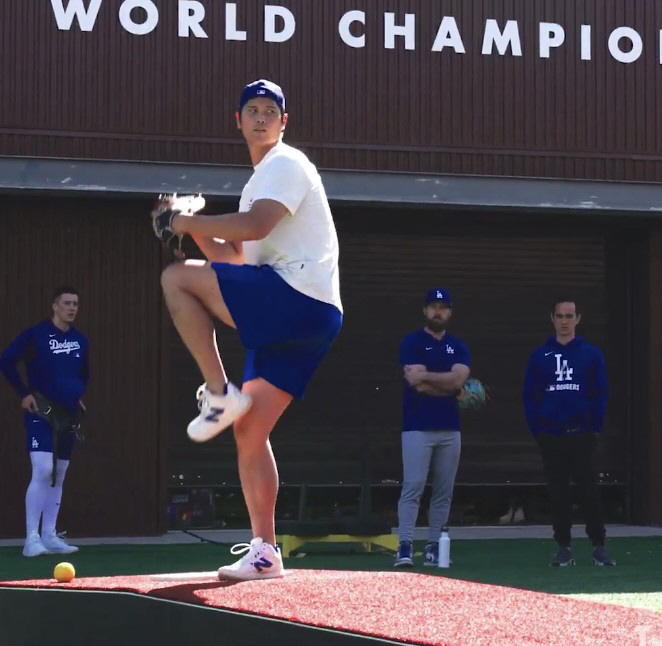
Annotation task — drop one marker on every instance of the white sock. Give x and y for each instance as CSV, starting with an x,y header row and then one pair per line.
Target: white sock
x,y
35,496
52,500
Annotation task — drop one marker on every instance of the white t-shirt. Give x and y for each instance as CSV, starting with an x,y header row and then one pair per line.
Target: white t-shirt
x,y
303,247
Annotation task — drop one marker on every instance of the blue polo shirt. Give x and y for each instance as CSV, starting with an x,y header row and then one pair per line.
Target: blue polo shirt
x,y
426,412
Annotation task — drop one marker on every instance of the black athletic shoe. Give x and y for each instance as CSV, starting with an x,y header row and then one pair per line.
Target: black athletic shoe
x,y
431,554
404,557
563,557
601,556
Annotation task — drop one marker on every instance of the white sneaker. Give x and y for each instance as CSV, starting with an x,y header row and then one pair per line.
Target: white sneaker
x,y
56,545
262,561
217,412
33,546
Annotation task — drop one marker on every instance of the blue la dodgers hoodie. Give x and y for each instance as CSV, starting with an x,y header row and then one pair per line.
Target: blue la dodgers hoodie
x,y
565,388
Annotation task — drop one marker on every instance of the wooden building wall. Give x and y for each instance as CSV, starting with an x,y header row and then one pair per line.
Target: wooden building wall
x,y
504,272
107,93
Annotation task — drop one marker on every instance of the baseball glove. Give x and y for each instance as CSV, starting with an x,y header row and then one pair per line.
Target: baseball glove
x,y
473,395
166,209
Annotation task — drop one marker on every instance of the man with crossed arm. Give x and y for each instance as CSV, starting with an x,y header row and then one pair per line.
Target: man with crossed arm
x,y
436,366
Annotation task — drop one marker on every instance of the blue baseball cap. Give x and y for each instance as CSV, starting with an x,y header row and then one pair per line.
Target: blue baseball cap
x,y
265,90
438,294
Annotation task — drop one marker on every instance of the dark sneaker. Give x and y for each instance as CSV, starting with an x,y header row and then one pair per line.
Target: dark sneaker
x,y
404,555
601,556
563,557
431,554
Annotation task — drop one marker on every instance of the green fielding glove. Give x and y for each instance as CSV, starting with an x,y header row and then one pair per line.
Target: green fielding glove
x,y
473,395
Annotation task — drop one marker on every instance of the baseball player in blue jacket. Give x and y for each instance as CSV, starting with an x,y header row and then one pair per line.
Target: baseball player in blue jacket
x,y
565,401
54,355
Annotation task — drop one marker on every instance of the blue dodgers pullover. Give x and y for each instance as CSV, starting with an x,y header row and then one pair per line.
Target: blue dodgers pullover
x,y
56,363
427,412
565,388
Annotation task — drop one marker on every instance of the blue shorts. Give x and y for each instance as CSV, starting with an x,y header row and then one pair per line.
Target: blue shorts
x,y
286,333
39,437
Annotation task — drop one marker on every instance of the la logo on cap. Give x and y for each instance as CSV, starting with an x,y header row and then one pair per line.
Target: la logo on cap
x,y
440,295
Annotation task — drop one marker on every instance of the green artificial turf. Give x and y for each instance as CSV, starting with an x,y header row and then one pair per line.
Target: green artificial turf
x,y
520,563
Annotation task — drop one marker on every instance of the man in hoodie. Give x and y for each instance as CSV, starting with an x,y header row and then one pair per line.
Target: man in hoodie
x,y
565,400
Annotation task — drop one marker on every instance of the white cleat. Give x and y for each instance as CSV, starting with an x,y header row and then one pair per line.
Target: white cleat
x,y
261,561
217,412
56,545
33,546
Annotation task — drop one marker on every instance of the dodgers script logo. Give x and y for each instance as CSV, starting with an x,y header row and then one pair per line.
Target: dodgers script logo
x,y
66,346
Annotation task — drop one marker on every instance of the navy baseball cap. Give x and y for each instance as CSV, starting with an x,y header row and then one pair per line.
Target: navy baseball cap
x,y
438,294
265,90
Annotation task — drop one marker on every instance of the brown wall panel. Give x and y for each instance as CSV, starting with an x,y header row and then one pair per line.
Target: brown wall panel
x,y
106,93
503,280
108,252
141,394
655,379
646,359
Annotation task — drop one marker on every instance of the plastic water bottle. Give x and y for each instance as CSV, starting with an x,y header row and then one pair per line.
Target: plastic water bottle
x,y
444,548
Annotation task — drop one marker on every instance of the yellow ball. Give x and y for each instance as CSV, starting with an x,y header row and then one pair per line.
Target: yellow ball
x,y
64,572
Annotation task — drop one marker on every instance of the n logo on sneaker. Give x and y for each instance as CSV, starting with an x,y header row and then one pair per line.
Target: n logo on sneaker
x,y
262,562
213,414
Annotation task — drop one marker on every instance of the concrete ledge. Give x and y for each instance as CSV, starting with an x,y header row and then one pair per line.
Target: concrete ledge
x,y
142,179
231,536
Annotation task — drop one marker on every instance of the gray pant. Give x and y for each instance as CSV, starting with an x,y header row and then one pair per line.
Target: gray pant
x,y
419,450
